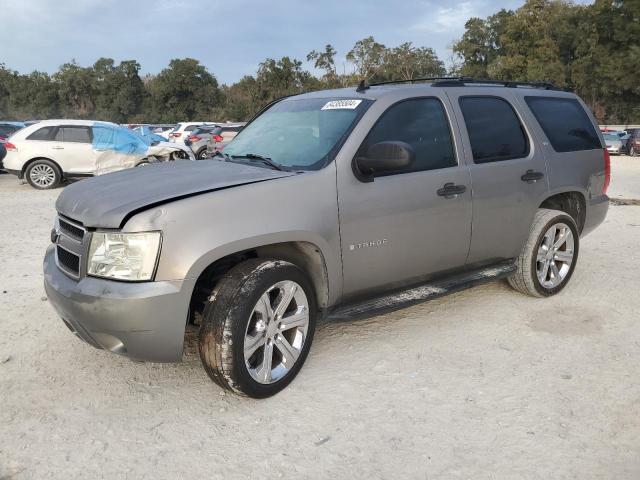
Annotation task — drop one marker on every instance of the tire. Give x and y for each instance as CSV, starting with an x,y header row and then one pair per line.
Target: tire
x,y
632,152
531,277
235,318
144,163
179,155
202,154
43,174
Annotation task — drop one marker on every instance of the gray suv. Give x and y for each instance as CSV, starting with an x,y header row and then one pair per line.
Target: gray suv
x,y
338,203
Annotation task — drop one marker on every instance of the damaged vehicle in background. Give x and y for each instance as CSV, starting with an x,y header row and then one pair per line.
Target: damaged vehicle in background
x,y
178,151
613,143
50,151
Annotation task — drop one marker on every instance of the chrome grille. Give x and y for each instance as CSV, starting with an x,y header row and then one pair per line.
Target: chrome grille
x,y
71,247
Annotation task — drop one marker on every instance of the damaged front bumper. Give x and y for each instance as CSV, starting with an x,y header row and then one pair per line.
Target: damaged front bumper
x,y
145,320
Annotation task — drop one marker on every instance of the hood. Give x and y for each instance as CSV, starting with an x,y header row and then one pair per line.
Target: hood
x,y
109,200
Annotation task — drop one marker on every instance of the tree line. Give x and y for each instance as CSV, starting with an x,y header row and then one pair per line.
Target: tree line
x,y
591,49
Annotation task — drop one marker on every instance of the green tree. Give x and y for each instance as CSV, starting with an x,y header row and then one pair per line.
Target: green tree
x,y
119,90
184,91
406,62
76,90
367,56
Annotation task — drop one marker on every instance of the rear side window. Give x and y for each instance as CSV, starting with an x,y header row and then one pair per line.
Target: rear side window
x,y
44,133
495,132
565,123
190,128
423,124
73,134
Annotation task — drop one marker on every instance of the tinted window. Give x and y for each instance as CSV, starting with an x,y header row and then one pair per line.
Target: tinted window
x,y
423,124
189,128
73,135
565,123
44,133
495,132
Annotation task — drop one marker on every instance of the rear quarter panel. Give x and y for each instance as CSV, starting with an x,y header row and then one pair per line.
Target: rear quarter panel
x,y
581,171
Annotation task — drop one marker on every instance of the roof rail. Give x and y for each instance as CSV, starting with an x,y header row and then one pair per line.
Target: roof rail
x,y
413,80
462,81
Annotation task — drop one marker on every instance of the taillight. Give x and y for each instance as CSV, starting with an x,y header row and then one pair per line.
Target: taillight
x,y
607,171
10,146
193,138
217,138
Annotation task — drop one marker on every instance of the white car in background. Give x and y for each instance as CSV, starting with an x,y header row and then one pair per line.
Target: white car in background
x,y
52,150
183,129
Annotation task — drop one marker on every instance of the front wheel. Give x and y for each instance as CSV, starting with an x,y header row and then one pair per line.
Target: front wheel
x,y
257,327
550,255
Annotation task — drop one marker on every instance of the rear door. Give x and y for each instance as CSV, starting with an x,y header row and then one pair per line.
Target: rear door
x,y
401,227
508,171
71,149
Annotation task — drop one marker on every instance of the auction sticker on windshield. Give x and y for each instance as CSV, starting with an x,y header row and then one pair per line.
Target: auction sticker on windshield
x,y
344,104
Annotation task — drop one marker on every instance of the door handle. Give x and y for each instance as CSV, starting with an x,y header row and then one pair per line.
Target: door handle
x,y
532,176
450,190
57,148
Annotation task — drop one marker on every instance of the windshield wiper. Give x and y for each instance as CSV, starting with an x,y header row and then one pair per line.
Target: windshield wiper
x,y
259,158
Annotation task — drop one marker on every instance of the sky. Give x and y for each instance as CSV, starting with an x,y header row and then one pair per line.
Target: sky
x,y
229,37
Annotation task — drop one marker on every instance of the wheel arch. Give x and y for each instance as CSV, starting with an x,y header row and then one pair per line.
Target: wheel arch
x,y
306,255
35,159
572,202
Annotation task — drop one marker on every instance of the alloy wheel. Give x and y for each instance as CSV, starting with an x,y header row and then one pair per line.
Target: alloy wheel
x,y
276,332
42,175
555,255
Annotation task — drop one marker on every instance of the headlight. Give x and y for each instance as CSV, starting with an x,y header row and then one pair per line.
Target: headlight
x,y
123,256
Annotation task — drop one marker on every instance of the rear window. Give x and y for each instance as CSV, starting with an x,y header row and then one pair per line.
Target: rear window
x,y
44,133
565,123
495,132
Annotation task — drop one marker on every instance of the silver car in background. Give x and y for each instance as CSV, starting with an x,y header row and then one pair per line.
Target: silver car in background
x,y
613,142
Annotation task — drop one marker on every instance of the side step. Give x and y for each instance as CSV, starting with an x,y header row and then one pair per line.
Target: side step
x,y
405,298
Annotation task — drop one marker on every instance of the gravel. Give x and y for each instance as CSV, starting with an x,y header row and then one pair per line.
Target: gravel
x,y
483,384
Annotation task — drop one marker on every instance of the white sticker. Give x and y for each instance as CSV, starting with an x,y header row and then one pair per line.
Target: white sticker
x,y
341,104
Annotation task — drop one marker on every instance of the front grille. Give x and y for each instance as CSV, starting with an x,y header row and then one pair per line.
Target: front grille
x,y
68,261
70,229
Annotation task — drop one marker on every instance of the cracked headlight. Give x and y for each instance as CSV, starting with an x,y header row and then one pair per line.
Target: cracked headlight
x,y
123,256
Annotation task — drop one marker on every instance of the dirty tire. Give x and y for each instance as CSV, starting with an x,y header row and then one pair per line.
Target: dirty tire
x,y
525,279
226,315
47,167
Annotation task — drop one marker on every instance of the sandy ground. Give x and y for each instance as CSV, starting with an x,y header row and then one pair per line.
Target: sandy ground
x,y
484,384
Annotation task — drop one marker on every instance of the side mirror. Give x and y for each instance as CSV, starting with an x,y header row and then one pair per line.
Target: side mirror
x,y
383,157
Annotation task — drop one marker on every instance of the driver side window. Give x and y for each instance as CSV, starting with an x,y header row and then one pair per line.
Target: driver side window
x,y
423,124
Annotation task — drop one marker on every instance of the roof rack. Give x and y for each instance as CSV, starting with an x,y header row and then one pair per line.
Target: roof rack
x,y
462,81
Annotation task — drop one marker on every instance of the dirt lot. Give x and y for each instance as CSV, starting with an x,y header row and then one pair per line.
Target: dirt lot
x,y
484,384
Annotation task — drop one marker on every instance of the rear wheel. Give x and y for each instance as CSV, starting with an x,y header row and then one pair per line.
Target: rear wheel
x,y
632,151
202,154
258,326
549,257
43,174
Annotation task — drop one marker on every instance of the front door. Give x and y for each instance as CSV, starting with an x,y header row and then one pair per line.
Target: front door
x,y
508,172
404,225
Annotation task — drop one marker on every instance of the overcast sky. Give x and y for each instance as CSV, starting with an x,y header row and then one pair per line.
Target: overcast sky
x,y
229,37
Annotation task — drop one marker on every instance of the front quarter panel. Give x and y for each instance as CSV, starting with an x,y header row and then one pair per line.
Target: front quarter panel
x,y
201,229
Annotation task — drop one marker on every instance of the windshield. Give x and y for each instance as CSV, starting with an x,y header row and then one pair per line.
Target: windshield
x,y
300,133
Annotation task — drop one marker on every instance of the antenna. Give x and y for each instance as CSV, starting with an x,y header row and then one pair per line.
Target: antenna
x,y
361,86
